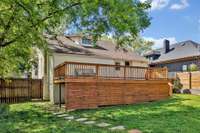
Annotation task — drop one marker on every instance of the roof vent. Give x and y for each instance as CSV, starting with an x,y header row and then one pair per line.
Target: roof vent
x,y
166,46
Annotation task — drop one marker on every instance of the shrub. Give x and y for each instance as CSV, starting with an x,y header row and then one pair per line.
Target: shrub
x,y
177,86
186,91
4,109
193,67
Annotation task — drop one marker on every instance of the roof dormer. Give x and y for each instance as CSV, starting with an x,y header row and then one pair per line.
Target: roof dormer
x,y
86,41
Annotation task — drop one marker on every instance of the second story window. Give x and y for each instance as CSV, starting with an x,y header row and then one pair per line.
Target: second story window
x,y
184,68
86,41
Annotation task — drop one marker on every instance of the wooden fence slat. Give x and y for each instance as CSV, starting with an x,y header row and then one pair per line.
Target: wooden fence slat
x,y
189,80
13,90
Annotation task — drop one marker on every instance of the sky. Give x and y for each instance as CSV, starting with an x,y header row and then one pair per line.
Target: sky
x,y
175,20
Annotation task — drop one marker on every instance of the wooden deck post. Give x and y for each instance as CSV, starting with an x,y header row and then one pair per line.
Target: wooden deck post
x,y
97,71
125,72
60,95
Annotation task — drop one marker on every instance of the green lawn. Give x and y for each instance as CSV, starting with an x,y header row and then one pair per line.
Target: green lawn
x,y
179,114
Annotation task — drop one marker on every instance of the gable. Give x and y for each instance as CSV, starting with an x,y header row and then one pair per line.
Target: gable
x,y
180,50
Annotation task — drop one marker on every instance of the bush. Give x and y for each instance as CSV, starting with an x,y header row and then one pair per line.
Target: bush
x,y
186,91
193,67
4,109
177,86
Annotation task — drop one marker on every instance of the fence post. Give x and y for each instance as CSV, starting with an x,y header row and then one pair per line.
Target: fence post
x,y
190,80
29,86
41,89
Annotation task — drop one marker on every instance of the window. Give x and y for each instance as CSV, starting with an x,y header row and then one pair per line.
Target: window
x,y
86,41
127,63
184,68
117,65
151,58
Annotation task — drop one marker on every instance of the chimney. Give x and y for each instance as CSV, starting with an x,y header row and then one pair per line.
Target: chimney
x,y
166,46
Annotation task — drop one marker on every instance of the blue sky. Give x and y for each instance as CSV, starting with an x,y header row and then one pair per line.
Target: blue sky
x,y
176,20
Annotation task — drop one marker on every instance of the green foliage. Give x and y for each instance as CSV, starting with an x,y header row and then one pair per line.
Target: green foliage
x,y
4,109
23,22
16,59
141,46
193,67
137,44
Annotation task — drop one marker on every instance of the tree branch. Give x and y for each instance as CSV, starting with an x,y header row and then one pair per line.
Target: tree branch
x,y
7,27
50,15
21,4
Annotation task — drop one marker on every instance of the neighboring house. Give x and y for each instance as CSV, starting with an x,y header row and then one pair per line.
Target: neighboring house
x,y
176,57
78,48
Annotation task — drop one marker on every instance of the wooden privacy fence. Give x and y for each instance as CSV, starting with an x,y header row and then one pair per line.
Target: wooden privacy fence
x,y
14,90
189,80
102,71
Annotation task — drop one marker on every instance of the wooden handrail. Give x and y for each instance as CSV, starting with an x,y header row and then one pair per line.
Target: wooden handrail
x,y
76,69
97,64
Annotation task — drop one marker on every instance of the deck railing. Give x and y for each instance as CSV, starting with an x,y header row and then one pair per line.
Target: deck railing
x,y
102,71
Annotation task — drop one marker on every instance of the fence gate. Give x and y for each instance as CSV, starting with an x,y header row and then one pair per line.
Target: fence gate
x,y
15,90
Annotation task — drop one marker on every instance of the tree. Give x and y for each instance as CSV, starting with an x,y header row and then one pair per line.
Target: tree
x,y
193,67
141,45
23,22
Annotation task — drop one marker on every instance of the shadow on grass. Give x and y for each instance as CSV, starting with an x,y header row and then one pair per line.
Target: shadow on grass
x,y
28,118
181,113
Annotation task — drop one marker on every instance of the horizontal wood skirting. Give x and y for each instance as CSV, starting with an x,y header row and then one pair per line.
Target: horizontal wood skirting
x,y
84,95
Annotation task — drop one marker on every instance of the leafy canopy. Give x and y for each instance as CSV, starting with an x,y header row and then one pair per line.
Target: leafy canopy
x,y
23,22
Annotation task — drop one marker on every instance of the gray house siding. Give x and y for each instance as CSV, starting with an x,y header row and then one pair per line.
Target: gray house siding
x,y
178,65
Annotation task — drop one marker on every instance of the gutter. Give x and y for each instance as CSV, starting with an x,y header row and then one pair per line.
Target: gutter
x,y
175,60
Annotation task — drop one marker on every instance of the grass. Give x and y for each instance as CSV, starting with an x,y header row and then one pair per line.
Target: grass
x,y
181,114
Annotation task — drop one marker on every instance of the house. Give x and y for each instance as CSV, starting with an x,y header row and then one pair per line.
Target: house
x,y
79,48
176,57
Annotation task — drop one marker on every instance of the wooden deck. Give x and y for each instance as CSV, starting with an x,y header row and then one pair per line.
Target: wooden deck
x,y
93,85
69,70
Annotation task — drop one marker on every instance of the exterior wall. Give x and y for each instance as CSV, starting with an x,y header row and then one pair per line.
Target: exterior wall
x,y
177,66
142,64
60,58
40,68
84,94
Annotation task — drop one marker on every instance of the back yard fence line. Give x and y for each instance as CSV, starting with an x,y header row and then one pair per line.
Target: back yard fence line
x,y
102,71
189,80
13,90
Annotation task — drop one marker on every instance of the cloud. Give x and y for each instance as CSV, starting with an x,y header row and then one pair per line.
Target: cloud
x,y
158,43
183,4
157,4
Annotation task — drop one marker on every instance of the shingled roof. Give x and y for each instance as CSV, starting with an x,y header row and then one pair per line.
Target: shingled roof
x,y
103,49
181,50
